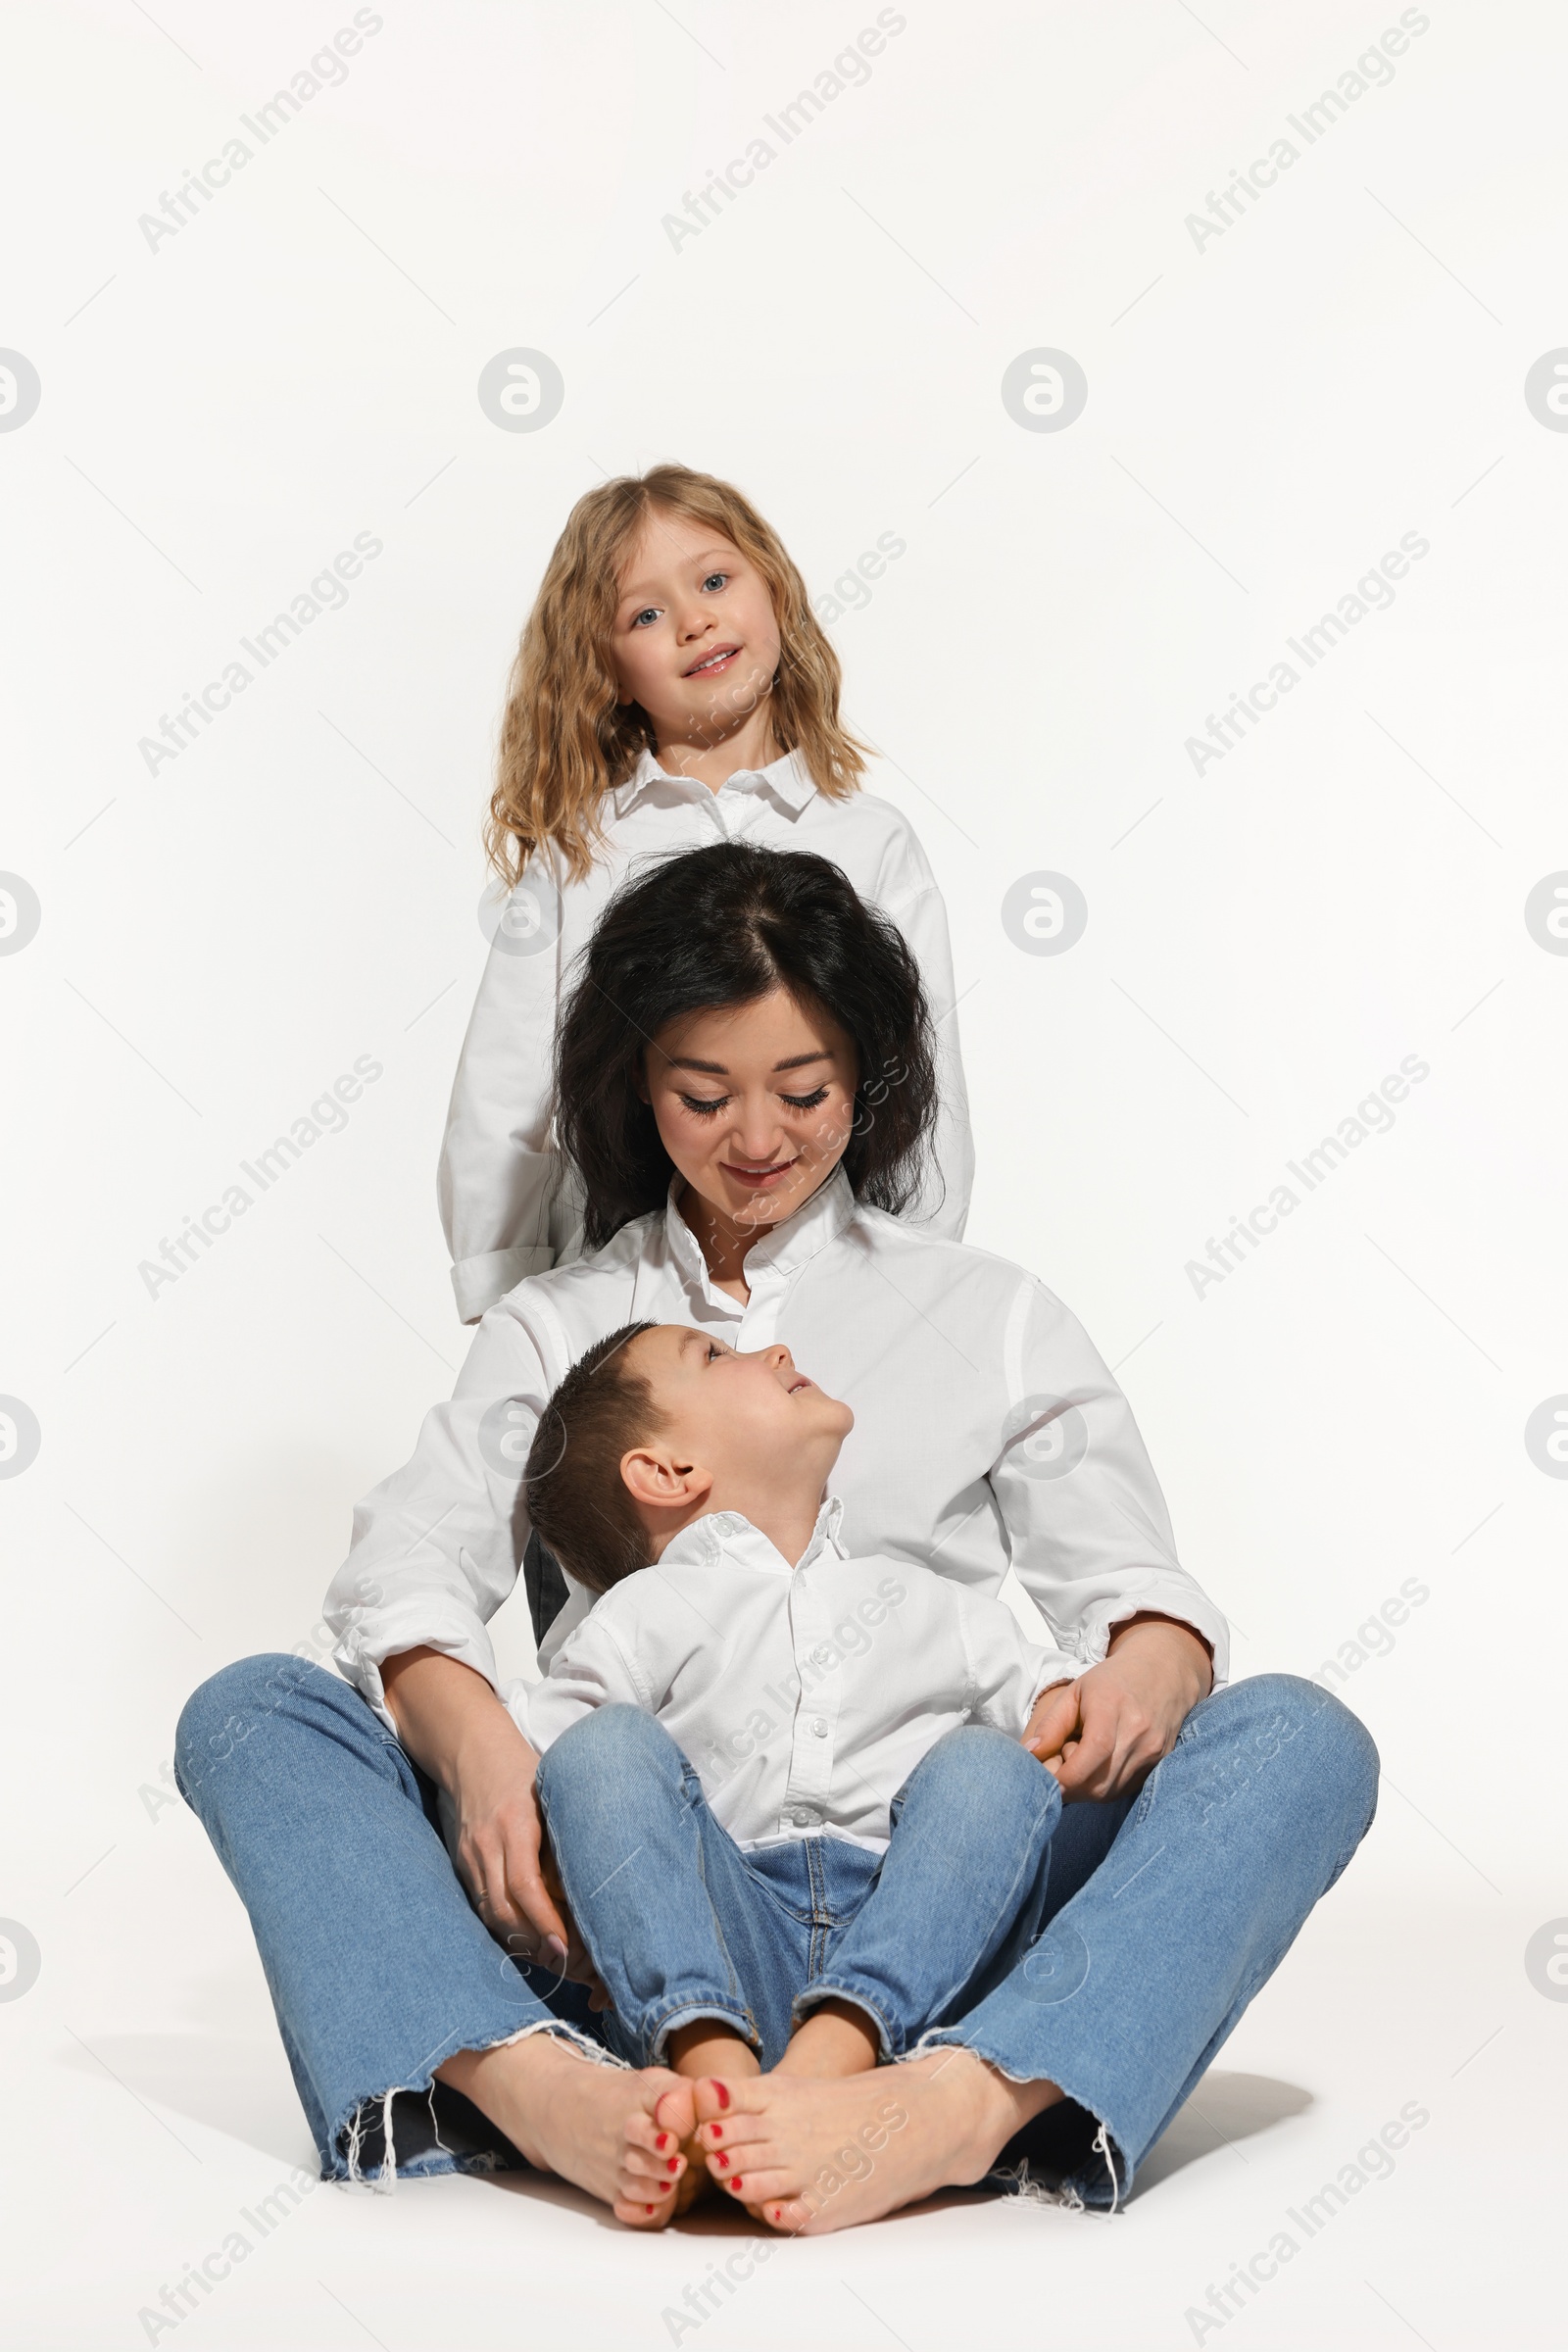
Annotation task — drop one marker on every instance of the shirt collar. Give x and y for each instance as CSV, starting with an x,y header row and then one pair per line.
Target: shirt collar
x,y
730,1539
787,779
781,1252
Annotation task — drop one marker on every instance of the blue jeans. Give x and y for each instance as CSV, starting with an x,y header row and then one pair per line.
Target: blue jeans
x,y
1160,1935
379,1967
1162,1916
682,1925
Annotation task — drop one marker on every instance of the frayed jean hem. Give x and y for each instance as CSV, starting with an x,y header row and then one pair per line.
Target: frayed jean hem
x,y
1101,2186
346,2165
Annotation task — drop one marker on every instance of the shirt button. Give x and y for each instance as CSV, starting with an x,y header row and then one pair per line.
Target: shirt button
x,y
819,1657
819,1728
801,1816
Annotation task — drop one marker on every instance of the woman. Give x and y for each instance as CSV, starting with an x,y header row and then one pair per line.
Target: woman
x,y
744,1091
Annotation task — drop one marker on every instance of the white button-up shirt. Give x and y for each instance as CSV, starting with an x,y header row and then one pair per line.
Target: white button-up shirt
x,y
988,1433
803,1696
504,1211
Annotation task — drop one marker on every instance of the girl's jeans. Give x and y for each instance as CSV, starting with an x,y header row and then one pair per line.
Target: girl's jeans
x,y
682,1925
1163,1914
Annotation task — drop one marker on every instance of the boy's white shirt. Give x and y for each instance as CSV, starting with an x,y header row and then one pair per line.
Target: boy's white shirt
x,y
988,1433
503,1205
803,1695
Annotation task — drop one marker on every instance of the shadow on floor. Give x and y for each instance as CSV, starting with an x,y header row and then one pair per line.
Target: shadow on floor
x,y
1224,2109
713,2216
235,2087
245,2092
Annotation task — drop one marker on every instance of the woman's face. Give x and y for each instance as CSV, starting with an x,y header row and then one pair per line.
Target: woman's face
x,y
754,1104
695,641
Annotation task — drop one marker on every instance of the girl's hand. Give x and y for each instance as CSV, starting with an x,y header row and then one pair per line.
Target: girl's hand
x,y
1103,1735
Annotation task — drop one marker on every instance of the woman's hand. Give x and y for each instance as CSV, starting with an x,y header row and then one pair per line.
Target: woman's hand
x,y
452,1723
1103,1735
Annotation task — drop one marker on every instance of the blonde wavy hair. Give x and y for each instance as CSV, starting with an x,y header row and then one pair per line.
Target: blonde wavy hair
x,y
565,741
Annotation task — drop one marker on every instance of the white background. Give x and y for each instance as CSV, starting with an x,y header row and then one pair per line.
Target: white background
x,y
1267,414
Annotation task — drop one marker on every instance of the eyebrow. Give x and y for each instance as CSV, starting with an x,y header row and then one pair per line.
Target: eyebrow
x,y
718,1069
703,561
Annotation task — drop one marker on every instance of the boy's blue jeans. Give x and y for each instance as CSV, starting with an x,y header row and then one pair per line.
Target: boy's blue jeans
x,y
1163,1915
682,1925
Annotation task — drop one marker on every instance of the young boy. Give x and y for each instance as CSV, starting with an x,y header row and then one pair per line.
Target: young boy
x,y
785,1790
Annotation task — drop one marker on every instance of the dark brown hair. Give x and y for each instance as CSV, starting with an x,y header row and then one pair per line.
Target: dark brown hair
x,y
574,1493
720,926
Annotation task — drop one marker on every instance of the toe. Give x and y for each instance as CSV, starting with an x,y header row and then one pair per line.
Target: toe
x,y
643,2131
789,2215
734,2130
675,2109
712,2098
757,2189
638,2214
637,2188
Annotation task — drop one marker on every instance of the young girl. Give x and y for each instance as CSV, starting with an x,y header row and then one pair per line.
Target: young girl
x,y
673,687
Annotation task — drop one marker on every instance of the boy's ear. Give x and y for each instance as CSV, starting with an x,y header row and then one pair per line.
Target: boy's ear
x,y
659,1483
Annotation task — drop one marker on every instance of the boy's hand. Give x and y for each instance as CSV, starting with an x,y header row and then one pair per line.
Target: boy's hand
x,y
1103,1735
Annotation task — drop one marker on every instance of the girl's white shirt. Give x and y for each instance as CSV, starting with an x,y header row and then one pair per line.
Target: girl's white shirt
x,y
504,1208
988,1433
803,1694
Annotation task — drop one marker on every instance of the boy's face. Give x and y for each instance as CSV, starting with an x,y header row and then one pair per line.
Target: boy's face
x,y
749,1420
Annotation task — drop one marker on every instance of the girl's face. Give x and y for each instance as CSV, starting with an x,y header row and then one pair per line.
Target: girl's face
x,y
754,1104
694,638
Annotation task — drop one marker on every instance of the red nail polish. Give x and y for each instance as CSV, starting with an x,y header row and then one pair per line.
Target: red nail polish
x,y
717,2130
723,2094
722,2162
672,2163
735,2183
648,2209
663,2141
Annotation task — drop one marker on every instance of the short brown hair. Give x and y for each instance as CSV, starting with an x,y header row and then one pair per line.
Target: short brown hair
x,y
575,1496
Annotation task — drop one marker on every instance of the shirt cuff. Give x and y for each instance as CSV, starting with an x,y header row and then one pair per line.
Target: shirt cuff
x,y
1181,1602
515,1697
360,1654
478,1281
1051,1676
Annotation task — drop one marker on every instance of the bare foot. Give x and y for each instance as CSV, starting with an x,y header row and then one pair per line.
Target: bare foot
x,y
808,2155
614,2131
837,2038
707,2046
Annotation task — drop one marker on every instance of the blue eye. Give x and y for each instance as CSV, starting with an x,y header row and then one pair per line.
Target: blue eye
x,y
648,613
720,577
